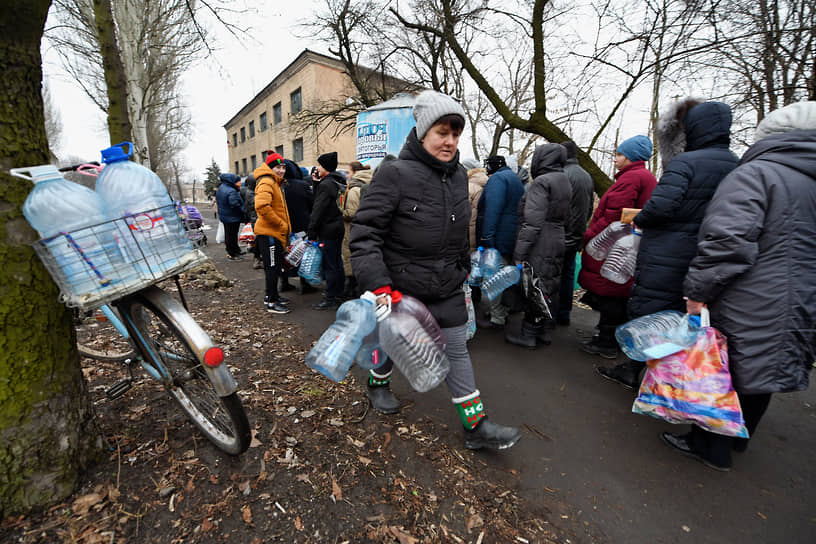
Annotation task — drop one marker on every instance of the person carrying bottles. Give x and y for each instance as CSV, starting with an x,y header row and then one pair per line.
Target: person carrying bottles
x,y
360,178
543,211
299,201
272,228
230,212
497,216
632,188
693,139
326,227
410,235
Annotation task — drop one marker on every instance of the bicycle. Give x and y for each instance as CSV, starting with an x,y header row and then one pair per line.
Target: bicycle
x,y
157,329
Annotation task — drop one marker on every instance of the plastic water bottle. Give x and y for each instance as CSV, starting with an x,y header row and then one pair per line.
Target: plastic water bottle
x,y
56,205
504,278
475,277
151,231
334,352
414,349
599,246
491,263
657,335
619,265
371,356
310,263
296,251
471,312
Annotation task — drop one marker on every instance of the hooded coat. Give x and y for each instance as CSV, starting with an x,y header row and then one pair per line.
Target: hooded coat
x,y
230,204
273,215
411,231
696,157
580,204
299,196
542,213
632,188
497,211
247,192
755,264
326,221
351,202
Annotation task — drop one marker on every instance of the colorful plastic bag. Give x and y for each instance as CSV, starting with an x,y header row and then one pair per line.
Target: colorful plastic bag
x,y
694,386
246,235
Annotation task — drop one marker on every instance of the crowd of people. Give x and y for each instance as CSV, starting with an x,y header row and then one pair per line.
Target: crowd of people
x,y
735,234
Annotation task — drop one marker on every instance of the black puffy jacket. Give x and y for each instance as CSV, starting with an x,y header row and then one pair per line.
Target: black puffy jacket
x,y
326,221
411,231
671,218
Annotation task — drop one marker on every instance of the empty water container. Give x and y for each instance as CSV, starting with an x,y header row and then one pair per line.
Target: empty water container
x,y
491,263
657,335
475,277
310,264
337,347
370,355
504,278
600,245
619,265
296,251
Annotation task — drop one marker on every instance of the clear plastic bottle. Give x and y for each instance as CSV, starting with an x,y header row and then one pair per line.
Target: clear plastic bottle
x,y
296,251
491,263
504,278
657,335
471,312
413,348
619,265
599,246
56,205
310,263
151,232
337,347
371,356
475,277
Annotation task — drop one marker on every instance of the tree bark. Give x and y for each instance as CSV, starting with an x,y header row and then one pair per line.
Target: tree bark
x,y
47,433
119,125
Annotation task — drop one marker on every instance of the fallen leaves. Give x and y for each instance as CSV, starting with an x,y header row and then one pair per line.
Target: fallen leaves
x,y
246,514
337,493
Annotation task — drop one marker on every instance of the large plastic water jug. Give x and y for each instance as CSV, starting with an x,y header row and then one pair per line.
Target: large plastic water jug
x,y
151,232
475,277
491,263
371,356
336,349
657,335
600,245
88,255
310,263
297,248
504,278
619,265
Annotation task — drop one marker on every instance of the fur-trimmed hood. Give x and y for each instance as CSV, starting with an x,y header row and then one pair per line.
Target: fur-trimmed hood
x,y
704,125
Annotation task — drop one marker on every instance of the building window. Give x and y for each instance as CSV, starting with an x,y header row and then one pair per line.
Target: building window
x,y
243,135
234,139
279,150
297,101
252,129
253,160
277,116
263,155
297,150
263,122
236,167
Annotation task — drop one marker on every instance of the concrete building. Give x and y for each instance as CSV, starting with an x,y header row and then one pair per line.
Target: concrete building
x,y
266,122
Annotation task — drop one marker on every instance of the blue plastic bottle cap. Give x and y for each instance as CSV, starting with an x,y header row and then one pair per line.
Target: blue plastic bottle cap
x,y
520,266
694,320
117,153
480,248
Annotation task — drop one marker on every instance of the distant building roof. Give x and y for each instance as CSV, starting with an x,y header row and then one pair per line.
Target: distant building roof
x,y
399,100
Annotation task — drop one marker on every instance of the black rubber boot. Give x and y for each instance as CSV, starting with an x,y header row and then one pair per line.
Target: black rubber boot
x,y
492,436
382,399
626,374
526,337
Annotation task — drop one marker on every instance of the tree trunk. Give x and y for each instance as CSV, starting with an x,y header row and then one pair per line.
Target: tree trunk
x,y
119,126
47,434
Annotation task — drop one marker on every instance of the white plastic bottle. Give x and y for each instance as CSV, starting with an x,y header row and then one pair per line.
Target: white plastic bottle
x,y
491,263
504,278
619,265
337,347
56,205
151,232
599,246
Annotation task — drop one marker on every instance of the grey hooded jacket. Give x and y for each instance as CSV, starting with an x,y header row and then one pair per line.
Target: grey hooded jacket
x,y
756,264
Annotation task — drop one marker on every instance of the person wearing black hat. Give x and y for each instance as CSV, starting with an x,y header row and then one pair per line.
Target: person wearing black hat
x,y
326,227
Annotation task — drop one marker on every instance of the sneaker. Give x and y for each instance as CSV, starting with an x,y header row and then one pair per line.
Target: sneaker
x,y
492,436
597,348
680,444
277,308
236,258
283,300
382,399
326,304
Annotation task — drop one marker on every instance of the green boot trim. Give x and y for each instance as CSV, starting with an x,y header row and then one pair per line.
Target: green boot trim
x,y
378,381
471,410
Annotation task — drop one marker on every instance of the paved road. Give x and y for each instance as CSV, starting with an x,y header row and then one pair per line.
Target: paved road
x,y
583,444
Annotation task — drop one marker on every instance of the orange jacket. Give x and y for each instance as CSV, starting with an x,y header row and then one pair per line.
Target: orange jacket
x,y
273,215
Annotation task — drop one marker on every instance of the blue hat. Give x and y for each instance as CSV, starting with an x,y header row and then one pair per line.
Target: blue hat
x,y
636,148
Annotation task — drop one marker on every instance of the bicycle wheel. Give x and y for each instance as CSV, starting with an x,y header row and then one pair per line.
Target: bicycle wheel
x,y
164,345
98,339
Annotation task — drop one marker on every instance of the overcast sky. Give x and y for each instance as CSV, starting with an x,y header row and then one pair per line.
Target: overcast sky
x,y
216,89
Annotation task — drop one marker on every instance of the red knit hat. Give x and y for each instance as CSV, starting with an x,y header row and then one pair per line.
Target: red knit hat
x,y
273,159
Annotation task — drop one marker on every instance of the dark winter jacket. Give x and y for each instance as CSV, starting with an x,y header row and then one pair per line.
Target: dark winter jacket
x,y
230,204
299,196
543,211
497,211
247,192
671,218
755,264
632,188
411,231
326,221
580,204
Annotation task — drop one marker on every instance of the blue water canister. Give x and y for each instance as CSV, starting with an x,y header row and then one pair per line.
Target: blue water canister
x,y
619,265
310,263
491,263
151,232
657,335
501,280
371,356
337,347
415,349
56,205
475,277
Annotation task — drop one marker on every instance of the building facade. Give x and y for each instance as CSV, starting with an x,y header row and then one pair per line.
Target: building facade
x,y
265,123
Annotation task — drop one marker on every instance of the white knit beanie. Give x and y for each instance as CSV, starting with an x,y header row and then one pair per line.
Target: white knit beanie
x,y
796,116
430,106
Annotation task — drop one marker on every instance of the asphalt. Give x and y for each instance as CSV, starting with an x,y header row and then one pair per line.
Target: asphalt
x,y
583,445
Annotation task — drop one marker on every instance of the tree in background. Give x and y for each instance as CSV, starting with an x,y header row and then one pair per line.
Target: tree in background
x,y
211,180
46,420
